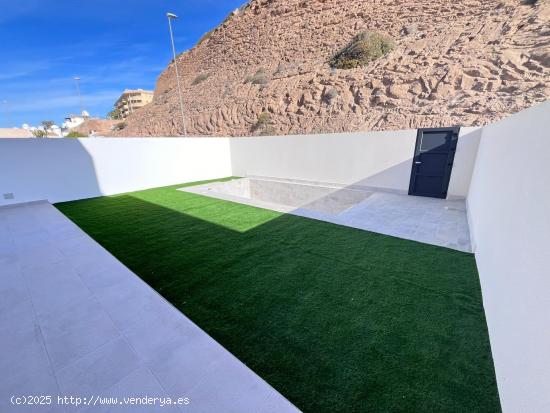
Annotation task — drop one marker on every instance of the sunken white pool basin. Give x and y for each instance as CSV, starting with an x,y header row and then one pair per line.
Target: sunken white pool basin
x,y
428,220
284,196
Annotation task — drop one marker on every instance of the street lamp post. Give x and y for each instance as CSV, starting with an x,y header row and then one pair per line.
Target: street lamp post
x,y
170,17
77,81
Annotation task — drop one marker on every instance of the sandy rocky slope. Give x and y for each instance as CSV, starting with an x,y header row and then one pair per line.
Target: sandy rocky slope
x,y
460,62
101,127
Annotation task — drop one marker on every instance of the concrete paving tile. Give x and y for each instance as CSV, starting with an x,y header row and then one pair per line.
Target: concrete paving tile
x,y
4,230
19,315
35,239
157,328
138,384
24,355
10,276
62,233
103,261
6,241
54,286
81,247
47,216
186,366
123,301
274,402
398,215
445,234
46,274
7,249
8,256
15,299
406,234
82,259
99,370
77,330
105,277
38,256
40,383
71,245
223,389
22,226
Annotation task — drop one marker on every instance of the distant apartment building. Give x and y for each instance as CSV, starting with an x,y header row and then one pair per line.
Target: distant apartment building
x,y
130,100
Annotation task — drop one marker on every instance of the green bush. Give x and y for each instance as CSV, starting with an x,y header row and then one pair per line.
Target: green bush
x,y
75,135
115,114
119,126
200,78
263,125
259,78
330,95
264,119
363,49
39,133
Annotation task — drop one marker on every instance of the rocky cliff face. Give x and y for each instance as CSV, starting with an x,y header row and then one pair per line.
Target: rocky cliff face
x,y
465,62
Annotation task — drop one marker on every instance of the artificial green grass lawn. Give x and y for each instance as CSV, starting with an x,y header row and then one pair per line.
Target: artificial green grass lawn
x,y
336,319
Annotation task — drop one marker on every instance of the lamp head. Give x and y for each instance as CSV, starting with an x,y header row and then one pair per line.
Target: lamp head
x,y
171,16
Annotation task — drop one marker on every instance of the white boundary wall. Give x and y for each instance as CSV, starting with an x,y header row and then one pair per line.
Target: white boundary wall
x,y
69,169
373,159
509,215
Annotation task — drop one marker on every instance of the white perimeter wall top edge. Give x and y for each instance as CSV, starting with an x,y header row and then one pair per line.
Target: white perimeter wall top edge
x,y
68,169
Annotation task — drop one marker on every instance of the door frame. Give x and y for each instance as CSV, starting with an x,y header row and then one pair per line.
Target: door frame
x,y
450,160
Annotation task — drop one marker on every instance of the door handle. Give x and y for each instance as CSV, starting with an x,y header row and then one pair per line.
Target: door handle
x,y
417,163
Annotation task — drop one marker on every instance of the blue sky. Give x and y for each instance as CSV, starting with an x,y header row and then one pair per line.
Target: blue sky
x,y
110,45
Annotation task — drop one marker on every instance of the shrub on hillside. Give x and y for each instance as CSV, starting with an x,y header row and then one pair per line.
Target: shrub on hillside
x,y
119,126
263,125
259,78
363,49
200,78
330,95
75,135
115,114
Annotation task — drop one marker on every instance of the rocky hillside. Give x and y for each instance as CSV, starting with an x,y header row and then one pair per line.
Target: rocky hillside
x,y
266,69
101,127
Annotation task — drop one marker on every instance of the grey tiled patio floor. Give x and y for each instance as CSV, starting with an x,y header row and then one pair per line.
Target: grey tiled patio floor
x,y
75,322
431,221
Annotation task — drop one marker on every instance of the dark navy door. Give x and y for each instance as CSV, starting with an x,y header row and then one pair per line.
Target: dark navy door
x,y
433,162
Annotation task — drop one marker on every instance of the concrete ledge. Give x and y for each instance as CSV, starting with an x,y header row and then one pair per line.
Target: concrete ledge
x,y
20,204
